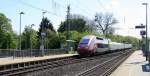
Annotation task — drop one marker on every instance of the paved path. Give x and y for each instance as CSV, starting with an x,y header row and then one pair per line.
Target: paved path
x,y
135,65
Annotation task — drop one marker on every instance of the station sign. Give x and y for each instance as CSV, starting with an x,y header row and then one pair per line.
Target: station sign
x,y
43,34
142,32
139,27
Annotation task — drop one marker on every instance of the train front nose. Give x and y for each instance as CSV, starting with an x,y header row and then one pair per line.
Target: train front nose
x,y
83,50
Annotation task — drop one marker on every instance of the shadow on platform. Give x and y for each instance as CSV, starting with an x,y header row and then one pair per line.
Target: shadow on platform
x,y
136,63
140,54
146,68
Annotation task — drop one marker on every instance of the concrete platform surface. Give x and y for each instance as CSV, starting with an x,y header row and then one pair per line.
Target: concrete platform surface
x,y
10,60
135,65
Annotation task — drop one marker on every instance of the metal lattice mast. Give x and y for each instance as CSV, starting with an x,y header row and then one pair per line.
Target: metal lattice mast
x,y
68,26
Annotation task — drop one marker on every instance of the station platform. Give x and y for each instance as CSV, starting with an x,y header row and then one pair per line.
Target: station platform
x,y
135,65
11,60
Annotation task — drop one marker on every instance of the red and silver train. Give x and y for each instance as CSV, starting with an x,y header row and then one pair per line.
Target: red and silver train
x,y
91,45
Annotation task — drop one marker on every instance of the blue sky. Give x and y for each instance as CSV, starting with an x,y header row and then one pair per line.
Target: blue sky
x,y
128,12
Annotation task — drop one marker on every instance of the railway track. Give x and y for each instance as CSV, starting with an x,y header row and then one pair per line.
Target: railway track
x,y
36,68
77,68
40,65
107,67
21,68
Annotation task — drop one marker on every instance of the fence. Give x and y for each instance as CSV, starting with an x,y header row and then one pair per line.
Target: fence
x,y
30,53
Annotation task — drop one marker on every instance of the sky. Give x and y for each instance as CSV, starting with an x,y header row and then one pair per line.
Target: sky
x,y
129,13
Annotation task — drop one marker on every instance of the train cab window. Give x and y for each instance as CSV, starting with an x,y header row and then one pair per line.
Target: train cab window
x,y
102,45
84,41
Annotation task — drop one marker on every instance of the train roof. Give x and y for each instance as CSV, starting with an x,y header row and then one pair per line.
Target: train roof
x,y
88,36
101,41
98,38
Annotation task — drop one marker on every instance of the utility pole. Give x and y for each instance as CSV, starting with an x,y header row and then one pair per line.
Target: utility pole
x,y
146,32
31,38
68,27
42,35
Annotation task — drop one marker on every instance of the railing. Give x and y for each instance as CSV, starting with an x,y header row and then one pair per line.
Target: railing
x,y
30,53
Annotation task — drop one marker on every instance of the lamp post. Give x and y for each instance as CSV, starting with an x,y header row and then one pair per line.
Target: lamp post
x,y
20,30
43,13
20,35
31,39
146,31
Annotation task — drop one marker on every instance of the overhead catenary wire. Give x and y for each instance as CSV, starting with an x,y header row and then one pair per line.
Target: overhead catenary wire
x,y
81,9
79,3
73,4
56,3
52,13
100,4
42,10
35,7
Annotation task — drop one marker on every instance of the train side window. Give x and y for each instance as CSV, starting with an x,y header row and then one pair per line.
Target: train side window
x,y
98,45
102,45
106,45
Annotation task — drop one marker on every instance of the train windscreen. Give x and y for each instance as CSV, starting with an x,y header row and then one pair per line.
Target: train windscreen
x,y
84,41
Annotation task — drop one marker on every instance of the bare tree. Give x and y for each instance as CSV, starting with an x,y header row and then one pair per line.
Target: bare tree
x,y
110,30
105,22
90,25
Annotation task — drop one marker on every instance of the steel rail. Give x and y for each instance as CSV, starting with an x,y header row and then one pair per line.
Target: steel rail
x,y
119,58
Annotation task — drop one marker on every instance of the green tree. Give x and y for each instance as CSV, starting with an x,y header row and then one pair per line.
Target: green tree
x,y
75,36
76,23
124,39
51,39
29,35
7,36
44,25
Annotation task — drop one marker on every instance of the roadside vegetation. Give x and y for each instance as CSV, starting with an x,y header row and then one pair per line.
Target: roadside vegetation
x,y
80,26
